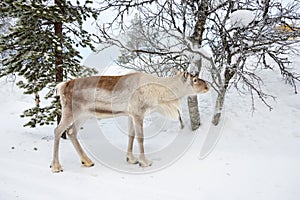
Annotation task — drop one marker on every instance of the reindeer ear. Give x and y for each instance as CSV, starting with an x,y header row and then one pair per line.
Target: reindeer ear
x,y
185,74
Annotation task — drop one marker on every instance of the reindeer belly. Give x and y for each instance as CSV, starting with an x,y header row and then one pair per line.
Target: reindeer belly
x,y
108,108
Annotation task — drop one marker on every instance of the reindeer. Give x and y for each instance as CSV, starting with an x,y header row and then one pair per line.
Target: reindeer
x,y
133,95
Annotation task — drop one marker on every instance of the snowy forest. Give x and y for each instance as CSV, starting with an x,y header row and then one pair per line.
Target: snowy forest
x,y
239,141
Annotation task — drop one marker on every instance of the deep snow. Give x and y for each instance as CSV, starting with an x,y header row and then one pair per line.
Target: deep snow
x,y
256,157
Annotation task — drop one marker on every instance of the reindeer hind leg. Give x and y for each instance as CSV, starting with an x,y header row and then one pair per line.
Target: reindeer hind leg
x,y
72,133
59,130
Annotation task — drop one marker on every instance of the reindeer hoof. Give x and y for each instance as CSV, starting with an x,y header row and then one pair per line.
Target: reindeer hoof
x,y
131,159
87,163
56,168
145,163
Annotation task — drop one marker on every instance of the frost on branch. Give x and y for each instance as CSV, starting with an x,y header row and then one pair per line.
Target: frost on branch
x,y
241,37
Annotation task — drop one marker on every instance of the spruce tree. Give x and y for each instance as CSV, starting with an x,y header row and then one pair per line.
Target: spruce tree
x,y
42,46
5,23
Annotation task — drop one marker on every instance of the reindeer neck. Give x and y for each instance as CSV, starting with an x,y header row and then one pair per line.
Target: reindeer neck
x,y
175,84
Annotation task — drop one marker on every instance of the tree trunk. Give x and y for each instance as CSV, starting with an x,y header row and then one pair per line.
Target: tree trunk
x,y
218,107
196,39
58,57
229,73
194,112
193,103
37,99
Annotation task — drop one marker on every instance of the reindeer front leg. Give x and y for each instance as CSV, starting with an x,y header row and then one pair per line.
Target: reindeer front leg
x,y
130,158
138,124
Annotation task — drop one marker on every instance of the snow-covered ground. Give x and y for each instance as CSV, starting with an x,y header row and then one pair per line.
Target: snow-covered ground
x,y
256,157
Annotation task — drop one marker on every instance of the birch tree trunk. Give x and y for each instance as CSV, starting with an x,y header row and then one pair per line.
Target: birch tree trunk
x,y
218,108
194,112
193,103
196,39
229,73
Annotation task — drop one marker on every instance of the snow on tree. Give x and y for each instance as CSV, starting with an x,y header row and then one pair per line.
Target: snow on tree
x,y
241,18
143,38
5,23
241,38
42,49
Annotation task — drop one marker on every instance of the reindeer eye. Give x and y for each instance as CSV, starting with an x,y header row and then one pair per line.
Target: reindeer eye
x,y
195,80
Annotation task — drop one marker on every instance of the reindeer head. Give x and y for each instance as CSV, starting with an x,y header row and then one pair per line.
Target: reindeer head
x,y
199,85
194,82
